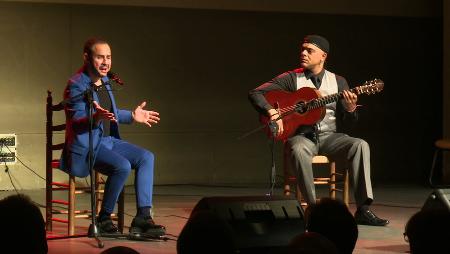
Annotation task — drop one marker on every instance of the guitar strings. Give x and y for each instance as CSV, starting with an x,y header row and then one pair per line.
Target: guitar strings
x,y
369,87
316,103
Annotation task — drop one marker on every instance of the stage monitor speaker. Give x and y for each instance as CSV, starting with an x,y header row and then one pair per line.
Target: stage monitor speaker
x,y
261,224
438,199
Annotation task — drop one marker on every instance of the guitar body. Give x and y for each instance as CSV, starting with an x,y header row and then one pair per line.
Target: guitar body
x,y
306,106
291,121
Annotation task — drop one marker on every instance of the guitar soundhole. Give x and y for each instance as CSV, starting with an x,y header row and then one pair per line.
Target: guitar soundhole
x,y
301,107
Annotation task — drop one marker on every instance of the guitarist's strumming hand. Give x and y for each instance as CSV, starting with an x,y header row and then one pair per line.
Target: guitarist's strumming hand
x,y
350,100
274,114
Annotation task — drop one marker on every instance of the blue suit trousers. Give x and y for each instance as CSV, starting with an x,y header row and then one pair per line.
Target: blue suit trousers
x,y
115,159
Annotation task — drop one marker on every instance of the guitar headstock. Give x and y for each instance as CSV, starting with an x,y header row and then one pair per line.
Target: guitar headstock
x,y
371,87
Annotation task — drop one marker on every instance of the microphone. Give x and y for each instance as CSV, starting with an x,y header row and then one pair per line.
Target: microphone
x,y
114,77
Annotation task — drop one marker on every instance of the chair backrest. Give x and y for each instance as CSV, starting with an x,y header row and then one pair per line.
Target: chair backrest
x,y
50,128
50,162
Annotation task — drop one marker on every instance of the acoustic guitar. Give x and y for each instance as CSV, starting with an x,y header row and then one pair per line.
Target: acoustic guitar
x,y
306,106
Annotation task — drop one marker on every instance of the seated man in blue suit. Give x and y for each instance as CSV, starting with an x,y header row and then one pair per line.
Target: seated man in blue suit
x,y
112,156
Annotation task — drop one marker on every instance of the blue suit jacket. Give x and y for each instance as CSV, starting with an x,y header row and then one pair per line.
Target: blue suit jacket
x,y
74,158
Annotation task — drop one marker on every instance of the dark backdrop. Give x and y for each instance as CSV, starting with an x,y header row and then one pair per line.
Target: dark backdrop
x,y
196,67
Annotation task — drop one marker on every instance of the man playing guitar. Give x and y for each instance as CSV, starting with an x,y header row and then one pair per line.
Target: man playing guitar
x,y
322,137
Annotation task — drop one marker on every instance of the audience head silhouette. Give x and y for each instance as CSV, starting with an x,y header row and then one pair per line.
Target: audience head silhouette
x,y
119,250
22,224
311,243
427,231
206,232
332,219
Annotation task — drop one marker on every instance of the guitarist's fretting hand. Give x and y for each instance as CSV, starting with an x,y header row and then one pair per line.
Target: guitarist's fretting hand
x,y
350,100
273,113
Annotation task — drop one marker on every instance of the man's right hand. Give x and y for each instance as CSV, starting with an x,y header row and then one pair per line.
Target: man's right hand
x,y
274,114
102,114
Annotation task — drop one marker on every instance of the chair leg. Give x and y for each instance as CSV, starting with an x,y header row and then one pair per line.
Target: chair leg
x,y
287,190
121,210
71,213
433,165
346,187
99,195
298,194
48,202
333,180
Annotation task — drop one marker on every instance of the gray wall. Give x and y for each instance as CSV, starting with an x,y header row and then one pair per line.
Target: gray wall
x,y
195,67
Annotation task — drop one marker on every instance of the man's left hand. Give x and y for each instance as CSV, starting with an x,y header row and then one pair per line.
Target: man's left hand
x,y
147,117
350,100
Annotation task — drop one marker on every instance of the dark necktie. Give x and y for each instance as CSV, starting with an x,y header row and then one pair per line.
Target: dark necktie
x,y
315,81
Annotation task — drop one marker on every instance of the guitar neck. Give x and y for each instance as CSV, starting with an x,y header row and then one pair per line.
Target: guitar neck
x,y
302,106
322,101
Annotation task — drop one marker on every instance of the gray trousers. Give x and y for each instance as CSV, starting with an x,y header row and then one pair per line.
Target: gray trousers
x,y
348,152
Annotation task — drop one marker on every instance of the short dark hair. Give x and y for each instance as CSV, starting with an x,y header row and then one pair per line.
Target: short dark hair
x,y
119,250
311,243
21,218
91,42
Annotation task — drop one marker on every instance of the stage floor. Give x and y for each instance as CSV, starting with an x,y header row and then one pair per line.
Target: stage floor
x,y
173,205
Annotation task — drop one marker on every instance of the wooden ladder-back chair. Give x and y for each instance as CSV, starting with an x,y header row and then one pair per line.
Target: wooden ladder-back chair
x,y
70,203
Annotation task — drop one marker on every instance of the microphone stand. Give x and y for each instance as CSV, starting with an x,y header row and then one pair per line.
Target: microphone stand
x,y
89,95
273,126
93,230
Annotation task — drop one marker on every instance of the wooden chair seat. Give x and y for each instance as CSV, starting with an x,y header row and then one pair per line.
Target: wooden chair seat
x,y
442,144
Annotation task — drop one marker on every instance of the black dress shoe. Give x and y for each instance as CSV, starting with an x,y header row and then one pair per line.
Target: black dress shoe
x,y
107,227
146,227
367,217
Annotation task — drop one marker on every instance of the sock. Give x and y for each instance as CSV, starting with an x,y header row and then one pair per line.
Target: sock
x,y
143,211
102,215
363,208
